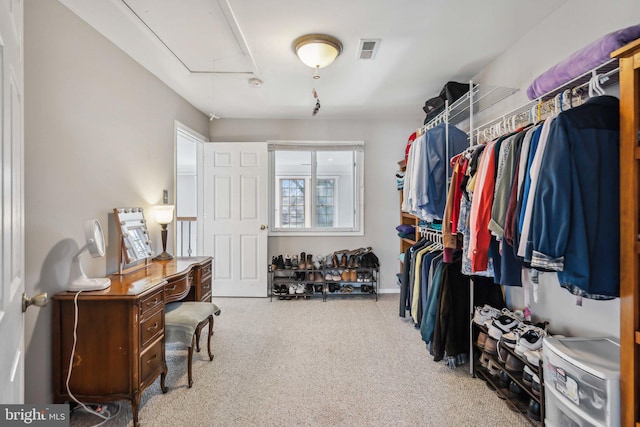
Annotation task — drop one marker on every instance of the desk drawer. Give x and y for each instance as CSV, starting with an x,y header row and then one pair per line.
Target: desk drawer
x,y
205,288
152,362
205,271
177,289
151,327
151,302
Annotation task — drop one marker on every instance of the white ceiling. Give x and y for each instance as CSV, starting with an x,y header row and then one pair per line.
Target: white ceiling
x,y
206,50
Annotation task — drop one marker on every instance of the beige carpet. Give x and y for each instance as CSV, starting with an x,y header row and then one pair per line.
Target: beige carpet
x,y
350,361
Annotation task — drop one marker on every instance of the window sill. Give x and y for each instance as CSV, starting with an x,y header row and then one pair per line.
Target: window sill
x,y
310,233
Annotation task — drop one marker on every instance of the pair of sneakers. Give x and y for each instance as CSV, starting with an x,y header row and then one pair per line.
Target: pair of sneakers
x,y
332,276
506,322
296,288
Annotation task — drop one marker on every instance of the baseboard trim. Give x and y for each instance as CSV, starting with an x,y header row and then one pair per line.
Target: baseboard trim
x,y
389,291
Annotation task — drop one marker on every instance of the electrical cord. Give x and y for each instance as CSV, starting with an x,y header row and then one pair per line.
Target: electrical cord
x,y
73,352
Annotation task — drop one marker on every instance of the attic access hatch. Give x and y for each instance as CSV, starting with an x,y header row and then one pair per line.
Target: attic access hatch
x,y
368,48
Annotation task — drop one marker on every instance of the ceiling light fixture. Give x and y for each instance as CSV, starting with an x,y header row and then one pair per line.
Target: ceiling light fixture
x,y
317,50
255,82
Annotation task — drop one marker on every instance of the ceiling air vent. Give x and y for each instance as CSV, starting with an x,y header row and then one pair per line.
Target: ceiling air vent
x,y
368,48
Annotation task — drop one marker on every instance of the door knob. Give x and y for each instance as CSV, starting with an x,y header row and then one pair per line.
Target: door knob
x,y
39,300
263,227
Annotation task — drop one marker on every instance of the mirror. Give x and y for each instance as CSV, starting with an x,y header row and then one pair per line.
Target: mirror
x,y
135,244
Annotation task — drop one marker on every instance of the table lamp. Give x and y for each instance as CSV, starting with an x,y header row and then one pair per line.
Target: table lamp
x,y
164,216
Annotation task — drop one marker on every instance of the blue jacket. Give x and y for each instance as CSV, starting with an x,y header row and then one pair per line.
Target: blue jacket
x,y
576,223
434,184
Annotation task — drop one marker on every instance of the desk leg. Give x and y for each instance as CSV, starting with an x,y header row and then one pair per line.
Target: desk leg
x,y
163,377
135,405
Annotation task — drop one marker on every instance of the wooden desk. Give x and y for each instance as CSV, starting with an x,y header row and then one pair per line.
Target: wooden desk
x,y
120,346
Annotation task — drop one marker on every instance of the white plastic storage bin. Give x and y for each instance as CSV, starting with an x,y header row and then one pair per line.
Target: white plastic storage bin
x,y
582,381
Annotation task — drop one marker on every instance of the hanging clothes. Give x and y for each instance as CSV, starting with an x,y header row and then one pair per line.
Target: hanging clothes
x,y
541,198
425,186
575,228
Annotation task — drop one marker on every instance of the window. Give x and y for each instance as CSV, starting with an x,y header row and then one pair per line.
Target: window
x,y
292,205
325,202
317,189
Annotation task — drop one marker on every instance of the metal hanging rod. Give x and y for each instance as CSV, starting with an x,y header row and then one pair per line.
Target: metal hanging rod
x,y
609,70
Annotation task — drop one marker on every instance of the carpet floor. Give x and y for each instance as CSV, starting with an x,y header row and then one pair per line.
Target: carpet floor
x,y
349,361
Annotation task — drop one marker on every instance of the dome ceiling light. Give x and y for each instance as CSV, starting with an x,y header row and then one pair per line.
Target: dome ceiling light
x,y
317,50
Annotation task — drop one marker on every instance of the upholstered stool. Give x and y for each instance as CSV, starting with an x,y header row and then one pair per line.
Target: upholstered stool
x,y
183,322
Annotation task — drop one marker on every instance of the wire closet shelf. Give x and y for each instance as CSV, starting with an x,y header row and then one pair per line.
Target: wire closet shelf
x,y
603,75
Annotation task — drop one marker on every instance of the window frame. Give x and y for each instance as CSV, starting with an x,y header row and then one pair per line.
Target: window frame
x,y
314,146
305,196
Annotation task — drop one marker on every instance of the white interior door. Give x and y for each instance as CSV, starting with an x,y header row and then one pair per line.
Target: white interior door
x,y
11,176
235,217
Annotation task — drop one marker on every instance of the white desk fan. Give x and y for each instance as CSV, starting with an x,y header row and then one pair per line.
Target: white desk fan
x,y
78,280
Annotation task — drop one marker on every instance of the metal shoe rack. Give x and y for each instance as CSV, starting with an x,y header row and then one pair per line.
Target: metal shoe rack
x,y
503,392
365,283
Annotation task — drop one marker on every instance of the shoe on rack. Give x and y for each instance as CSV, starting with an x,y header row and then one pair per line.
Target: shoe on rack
x,y
533,356
353,276
343,260
533,411
292,289
503,353
328,276
302,263
527,375
535,385
318,277
514,364
275,290
294,262
502,325
515,389
344,276
484,359
308,288
503,379
490,345
510,339
364,289
318,289
335,276
482,314
531,340
334,261
360,277
300,288
287,262
493,368
280,263
367,277
310,264
274,263
350,261
482,338
310,277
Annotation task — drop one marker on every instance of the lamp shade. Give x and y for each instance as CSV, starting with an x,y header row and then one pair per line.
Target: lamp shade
x,y
163,214
317,50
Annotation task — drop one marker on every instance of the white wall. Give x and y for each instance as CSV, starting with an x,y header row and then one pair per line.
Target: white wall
x,y
99,134
576,24
385,141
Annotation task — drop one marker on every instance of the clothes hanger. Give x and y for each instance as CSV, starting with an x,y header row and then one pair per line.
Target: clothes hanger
x,y
596,85
566,96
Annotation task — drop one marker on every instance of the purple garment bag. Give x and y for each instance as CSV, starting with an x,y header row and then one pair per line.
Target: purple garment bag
x,y
587,58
